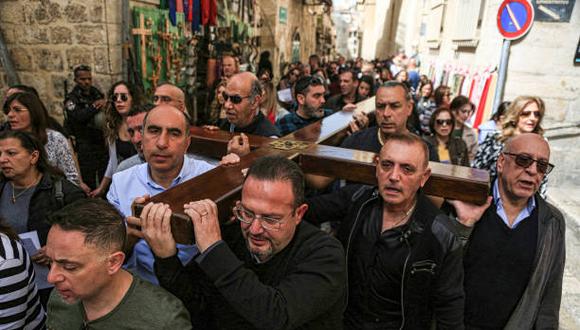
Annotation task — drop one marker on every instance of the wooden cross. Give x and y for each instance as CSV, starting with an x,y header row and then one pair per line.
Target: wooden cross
x,y
321,157
142,32
167,37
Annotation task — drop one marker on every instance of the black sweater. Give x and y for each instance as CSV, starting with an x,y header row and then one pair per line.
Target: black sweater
x,y
498,264
301,287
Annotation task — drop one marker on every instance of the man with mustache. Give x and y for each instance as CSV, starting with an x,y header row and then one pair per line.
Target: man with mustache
x,y
92,290
165,139
309,94
270,271
404,262
515,253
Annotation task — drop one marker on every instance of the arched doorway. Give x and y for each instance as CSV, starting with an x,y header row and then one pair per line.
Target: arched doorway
x,y
296,47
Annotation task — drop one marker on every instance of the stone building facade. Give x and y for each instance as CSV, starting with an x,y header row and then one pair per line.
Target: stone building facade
x,y
293,30
464,33
47,39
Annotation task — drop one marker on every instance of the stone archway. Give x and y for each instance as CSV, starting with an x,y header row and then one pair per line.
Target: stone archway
x,y
295,57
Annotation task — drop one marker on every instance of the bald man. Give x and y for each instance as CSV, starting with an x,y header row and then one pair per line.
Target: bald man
x,y
170,94
165,140
514,261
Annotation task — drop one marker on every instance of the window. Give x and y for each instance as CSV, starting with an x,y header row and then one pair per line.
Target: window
x,y
467,25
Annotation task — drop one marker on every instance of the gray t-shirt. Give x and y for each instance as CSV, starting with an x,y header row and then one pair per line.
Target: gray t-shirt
x,y
16,214
145,306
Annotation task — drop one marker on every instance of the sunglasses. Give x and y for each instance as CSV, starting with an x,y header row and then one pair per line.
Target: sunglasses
x,y
235,99
526,161
536,114
162,99
444,122
122,97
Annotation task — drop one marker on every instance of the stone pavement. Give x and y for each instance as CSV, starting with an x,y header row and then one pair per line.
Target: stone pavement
x,y
567,200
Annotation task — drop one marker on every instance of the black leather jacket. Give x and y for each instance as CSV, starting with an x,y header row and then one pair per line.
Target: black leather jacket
x,y
433,270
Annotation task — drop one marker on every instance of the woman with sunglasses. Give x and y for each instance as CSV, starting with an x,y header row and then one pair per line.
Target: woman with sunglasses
x,y
31,188
122,98
462,109
450,149
25,112
524,115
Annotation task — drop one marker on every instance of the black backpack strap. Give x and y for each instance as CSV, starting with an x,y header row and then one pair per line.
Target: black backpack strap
x,y
58,193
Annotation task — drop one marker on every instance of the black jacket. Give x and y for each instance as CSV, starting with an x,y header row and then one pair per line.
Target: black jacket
x,y
301,287
433,272
457,149
259,126
43,202
79,120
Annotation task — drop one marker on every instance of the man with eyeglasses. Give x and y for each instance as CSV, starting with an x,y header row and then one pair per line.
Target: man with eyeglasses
x,y
84,121
272,271
515,247
309,94
169,94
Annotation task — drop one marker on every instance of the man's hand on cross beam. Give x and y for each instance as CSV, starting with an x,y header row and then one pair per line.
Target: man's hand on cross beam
x,y
230,160
204,214
239,145
156,229
469,214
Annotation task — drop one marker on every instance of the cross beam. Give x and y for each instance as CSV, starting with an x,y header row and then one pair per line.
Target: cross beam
x,y
223,184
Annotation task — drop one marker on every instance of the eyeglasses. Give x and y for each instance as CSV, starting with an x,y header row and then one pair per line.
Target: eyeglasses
x,y
536,114
526,161
162,99
444,122
246,216
120,97
235,99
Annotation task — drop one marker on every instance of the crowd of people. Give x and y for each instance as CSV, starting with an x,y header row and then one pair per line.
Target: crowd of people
x,y
397,259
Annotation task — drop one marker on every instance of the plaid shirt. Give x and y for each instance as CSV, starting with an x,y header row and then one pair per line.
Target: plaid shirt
x,y
292,122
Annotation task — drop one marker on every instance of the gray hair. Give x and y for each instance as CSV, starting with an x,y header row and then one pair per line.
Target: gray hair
x,y
256,90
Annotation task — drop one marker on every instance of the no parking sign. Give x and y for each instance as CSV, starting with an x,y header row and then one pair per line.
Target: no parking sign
x,y
514,18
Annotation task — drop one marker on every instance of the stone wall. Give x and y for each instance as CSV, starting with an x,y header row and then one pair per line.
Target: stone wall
x,y
48,38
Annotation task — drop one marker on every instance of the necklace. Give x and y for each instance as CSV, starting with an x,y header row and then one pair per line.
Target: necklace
x,y
380,136
405,216
15,196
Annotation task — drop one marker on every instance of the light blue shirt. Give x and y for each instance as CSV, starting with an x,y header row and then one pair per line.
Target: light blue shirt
x,y
526,212
136,182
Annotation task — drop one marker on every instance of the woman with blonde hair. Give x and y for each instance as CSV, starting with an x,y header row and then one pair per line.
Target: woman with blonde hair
x,y
269,105
524,115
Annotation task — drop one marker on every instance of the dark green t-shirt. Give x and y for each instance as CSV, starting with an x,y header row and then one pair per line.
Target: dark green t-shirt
x,y
145,306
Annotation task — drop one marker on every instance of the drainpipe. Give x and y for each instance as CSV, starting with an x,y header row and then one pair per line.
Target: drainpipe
x,y
7,64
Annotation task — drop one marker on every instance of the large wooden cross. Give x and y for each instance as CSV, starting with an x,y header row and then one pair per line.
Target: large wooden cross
x,y
142,32
319,156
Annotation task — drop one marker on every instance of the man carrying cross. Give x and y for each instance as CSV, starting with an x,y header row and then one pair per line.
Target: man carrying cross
x,y
404,262
270,271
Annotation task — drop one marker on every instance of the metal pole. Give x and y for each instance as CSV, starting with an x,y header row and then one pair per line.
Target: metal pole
x,y
503,64
6,62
